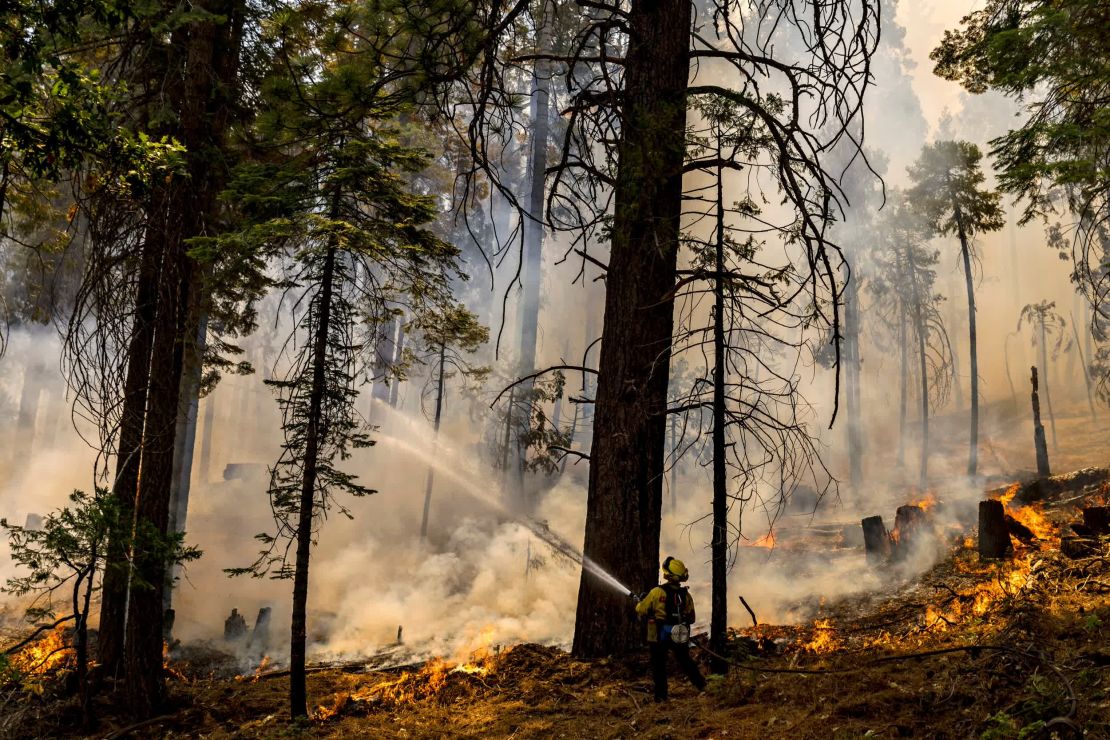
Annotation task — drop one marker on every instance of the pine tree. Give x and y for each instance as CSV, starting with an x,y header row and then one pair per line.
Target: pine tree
x,y
948,190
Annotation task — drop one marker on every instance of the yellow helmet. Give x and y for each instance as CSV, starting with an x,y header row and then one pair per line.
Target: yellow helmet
x,y
675,570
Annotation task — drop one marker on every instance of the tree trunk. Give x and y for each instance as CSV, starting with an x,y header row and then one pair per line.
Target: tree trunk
x,y
298,698
627,458
534,234
117,566
30,394
143,654
965,251
1083,368
674,463
852,385
876,540
718,627
207,66
903,386
186,434
1047,392
994,534
398,351
204,466
1044,470
920,330
431,470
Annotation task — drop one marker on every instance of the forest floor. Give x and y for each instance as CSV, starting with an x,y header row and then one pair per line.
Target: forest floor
x,y
1005,649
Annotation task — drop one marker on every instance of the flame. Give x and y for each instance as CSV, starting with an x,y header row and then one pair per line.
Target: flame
x,y
265,663
1033,518
824,638
767,541
45,656
927,501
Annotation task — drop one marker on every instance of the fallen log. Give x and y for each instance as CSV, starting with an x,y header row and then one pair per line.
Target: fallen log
x,y
1019,530
994,534
876,540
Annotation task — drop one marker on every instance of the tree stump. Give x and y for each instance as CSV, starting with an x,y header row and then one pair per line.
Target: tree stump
x,y
911,527
994,534
876,540
260,635
1097,519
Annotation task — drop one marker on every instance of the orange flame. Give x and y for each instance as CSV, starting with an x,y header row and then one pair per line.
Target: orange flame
x,y
824,638
45,656
767,541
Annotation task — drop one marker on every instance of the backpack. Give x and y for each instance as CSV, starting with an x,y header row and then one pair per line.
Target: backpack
x,y
674,626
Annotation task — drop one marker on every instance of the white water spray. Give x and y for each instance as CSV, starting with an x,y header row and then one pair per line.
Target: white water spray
x,y
445,461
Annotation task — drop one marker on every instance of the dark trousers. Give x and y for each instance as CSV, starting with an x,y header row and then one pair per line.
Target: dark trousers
x,y
659,652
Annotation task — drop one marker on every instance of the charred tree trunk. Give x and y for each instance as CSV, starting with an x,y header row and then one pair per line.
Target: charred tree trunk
x,y
876,540
965,252
1047,391
718,627
674,463
627,457
994,534
1044,470
431,471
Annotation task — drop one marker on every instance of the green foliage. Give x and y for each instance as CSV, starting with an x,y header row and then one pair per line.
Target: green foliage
x,y
69,549
332,203
948,189
902,280
1056,335
1055,56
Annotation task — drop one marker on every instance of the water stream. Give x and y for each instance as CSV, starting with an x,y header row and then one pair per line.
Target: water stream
x,y
483,487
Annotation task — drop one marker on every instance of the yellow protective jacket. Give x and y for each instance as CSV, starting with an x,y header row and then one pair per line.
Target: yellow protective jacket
x,y
654,607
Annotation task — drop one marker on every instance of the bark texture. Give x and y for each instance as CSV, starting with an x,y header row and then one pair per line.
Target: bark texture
x,y
627,455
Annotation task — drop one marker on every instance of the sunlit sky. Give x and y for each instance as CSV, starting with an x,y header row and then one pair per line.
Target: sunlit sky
x,y
925,22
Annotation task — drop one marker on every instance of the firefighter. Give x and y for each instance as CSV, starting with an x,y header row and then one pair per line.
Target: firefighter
x,y
669,610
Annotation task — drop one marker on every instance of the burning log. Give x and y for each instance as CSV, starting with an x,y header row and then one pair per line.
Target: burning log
x,y
1019,530
876,540
1097,519
994,533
